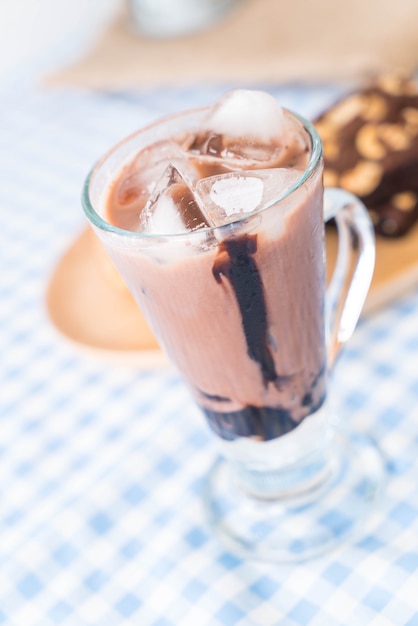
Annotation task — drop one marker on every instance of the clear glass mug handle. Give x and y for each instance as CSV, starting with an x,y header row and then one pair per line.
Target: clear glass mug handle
x,y
350,282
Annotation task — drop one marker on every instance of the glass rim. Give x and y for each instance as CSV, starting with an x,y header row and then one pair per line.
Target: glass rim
x,y
99,222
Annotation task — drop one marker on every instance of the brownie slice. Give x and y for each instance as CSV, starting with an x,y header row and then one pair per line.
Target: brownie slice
x,y
370,140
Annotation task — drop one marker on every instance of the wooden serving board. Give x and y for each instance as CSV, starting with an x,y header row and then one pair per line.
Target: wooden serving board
x,y
91,307
396,269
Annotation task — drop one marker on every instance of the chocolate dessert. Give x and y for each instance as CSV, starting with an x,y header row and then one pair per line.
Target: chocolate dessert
x,y
370,141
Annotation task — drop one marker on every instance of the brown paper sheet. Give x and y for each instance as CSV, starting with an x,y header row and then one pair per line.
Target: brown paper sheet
x,y
259,41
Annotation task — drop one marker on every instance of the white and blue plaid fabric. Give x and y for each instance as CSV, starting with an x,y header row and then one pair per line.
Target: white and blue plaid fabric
x,y
102,465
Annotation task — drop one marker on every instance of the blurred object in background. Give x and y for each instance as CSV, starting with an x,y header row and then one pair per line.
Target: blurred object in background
x,y
370,141
264,42
173,18
42,35
259,42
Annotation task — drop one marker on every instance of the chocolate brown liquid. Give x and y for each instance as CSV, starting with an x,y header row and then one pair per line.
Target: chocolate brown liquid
x,y
240,316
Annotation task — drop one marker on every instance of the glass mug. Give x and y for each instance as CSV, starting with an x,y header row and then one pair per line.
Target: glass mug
x,y
243,312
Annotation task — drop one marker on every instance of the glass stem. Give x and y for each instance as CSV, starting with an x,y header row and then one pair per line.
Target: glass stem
x,y
300,478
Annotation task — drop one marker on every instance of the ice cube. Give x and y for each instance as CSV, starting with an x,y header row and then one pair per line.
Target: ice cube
x,y
172,208
228,197
147,169
247,129
132,188
243,113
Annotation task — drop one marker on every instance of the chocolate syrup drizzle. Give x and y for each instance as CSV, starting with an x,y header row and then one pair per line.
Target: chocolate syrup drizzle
x,y
234,262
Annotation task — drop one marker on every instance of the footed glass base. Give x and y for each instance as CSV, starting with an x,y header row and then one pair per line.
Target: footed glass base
x,y
300,512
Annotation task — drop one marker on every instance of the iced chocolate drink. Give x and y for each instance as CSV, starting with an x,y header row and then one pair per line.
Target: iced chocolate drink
x,y
232,276
214,218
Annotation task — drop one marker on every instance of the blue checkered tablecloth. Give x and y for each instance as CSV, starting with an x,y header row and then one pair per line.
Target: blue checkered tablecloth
x,y
102,464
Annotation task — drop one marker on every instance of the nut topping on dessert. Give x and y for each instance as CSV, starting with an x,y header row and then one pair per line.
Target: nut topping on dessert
x,y
370,143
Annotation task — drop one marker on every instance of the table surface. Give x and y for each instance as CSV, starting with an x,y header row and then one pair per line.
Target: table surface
x,y
102,464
